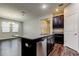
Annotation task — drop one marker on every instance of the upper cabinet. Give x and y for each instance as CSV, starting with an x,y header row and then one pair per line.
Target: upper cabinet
x,y
58,21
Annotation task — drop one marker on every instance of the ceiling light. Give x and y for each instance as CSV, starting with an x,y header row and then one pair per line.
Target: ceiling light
x,y
57,10
44,6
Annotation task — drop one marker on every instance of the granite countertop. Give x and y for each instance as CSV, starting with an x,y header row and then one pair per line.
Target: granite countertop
x,y
31,37
14,37
6,38
26,37
34,37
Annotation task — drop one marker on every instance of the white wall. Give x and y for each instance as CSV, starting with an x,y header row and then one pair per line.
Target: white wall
x,y
71,26
32,27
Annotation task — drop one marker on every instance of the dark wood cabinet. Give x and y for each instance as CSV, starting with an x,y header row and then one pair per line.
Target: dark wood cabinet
x,y
50,44
28,47
58,22
59,38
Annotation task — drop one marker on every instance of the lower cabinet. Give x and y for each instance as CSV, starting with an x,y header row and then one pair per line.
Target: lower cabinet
x,y
16,47
41,49
10,47
24,47
28,47
5,48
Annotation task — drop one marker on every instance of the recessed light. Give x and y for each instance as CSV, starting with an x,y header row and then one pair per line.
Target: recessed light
x,y
44,6
57,10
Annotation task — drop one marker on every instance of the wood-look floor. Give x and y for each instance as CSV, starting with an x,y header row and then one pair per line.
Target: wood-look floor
x,y
60,50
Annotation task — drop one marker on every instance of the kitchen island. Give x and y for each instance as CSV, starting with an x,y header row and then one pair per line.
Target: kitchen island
x,y
18,46
23,46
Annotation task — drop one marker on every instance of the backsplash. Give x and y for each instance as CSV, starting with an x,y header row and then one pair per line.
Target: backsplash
x,y
60,31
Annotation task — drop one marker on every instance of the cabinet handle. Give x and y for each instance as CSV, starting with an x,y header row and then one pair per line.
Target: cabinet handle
x,y
26,44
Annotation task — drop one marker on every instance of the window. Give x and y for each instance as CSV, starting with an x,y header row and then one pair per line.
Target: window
x,y
5,26
15,27
10,26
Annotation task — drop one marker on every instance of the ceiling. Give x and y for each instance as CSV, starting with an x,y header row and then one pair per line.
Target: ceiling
x,y
24,11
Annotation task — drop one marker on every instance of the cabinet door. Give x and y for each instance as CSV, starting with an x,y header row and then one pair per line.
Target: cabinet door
x,y
42,48
10,47
71,31
5,48
16,47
